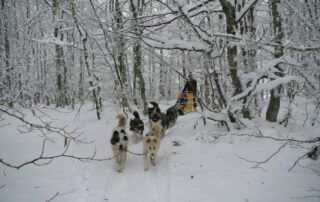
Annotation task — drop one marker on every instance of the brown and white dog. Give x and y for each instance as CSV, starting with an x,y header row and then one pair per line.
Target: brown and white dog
x,y
119,142
151,144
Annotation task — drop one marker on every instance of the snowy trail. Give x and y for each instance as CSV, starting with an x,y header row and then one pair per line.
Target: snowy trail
x,y
195,169
162,178
109,183
152,185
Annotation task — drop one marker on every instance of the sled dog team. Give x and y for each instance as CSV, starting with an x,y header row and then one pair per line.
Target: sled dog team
x,y
159,123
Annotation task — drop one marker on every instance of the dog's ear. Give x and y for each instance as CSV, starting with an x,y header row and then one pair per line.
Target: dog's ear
x,y
148,140
115,134
115,138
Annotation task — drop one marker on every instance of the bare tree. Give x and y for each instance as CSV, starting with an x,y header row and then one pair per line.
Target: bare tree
x,y
61,69
274,103
137,8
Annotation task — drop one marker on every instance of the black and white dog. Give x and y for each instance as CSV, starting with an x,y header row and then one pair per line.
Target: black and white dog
x,y
167,120
137,127
119,142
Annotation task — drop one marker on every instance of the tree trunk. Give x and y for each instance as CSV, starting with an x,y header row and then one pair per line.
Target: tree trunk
x,y
274,104
137,10
162,77
93,79
59,60
229,11
7,72
247,30
120,53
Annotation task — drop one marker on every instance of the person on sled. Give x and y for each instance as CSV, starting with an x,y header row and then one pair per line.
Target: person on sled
x,y
191,85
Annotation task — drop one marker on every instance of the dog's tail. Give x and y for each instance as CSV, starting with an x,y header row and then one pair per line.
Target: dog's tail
x,y
122,120
156,128
136,115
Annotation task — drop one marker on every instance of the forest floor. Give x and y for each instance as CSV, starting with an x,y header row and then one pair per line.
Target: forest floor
x,y
200,168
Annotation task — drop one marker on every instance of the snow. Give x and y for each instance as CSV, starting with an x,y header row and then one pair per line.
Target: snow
x,y
202,168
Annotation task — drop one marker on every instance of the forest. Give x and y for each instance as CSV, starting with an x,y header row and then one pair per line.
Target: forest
x,y
247,55
256,63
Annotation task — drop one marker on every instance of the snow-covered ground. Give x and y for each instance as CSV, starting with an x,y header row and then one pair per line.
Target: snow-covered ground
x,y
199,169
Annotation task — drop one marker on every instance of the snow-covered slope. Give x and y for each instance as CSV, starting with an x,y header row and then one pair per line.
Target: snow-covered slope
x,y
199,168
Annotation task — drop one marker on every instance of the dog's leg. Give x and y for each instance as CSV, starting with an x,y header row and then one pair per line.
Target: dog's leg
x,y
121,163
124,159
141,135
135,138
146,162
153,161
162,134
117,158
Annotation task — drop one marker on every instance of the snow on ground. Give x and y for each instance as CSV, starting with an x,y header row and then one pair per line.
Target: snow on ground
x,y
199,169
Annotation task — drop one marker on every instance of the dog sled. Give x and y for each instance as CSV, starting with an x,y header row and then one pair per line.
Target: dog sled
x,y
185,102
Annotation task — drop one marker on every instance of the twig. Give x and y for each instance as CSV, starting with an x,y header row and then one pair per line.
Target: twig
x,y
82,102
222,122
270,157
197,122
305,197
289,140
44,126
6,124
296,162
52,197
68,192
63,155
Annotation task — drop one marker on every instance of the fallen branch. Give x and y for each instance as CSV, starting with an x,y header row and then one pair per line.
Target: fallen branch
x,y
44,127
258,163
296,162
50,158
52,197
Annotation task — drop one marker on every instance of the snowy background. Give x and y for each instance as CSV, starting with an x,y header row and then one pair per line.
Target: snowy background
x,y
67,68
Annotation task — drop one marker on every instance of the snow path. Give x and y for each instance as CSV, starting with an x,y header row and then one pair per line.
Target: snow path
x,y
197,170
152,185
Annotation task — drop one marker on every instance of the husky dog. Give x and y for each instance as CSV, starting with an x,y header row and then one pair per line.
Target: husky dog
x,y
151,144
167,120
119,142
137,127
153,108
